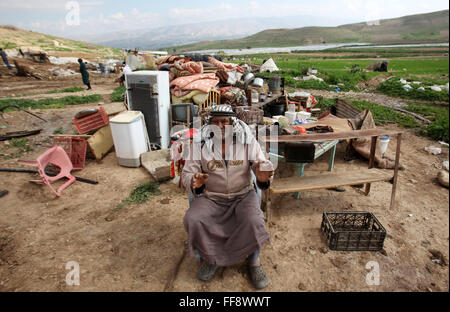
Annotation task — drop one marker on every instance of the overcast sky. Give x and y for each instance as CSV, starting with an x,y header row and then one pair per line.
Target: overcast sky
x,y
97,16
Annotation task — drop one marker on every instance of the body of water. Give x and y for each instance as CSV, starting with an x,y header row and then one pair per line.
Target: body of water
x,y
318,47
401,45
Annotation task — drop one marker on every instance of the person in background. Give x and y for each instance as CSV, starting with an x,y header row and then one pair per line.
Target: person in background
x,y
225,223
5,58
84,74
126,69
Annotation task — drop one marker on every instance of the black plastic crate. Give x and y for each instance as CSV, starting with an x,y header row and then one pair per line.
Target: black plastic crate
x,y
353,231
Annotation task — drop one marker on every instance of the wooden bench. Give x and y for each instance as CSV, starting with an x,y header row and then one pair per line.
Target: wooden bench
x,y
331,180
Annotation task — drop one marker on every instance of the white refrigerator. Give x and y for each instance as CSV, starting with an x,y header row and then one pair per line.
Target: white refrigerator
x,y
148,92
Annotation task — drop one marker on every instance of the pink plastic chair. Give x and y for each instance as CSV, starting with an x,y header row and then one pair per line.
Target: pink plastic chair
x,y
58,157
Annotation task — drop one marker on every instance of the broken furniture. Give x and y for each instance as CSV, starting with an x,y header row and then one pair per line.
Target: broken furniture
x,y
331,180
213,97
130,138
75,147
57,157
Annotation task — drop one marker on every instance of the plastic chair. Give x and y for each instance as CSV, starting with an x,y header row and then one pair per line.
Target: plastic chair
x,y
213,97
58,157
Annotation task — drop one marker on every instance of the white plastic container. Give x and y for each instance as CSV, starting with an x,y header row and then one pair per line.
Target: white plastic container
x,y
303,115
130,137
255,96
384,142
291,116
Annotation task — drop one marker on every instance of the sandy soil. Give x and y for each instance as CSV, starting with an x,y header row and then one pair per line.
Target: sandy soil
x,y
138,247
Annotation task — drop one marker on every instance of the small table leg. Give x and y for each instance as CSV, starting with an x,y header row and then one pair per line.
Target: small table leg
x,y
333,153
397,161
300,171
371,160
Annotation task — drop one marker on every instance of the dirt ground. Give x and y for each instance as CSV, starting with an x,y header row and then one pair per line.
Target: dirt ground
x,y
137,248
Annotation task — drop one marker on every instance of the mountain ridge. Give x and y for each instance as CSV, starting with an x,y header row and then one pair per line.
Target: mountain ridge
x,y
427,27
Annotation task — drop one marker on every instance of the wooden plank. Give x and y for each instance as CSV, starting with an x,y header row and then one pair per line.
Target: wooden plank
x,y
412,114
397,162
329,180
331,136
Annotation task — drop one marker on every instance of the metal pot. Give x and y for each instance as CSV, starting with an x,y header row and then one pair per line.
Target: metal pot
x,y
277,109
258,82
248,77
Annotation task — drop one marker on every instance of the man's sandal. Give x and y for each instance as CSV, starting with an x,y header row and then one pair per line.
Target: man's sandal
x,y
258,277
206,271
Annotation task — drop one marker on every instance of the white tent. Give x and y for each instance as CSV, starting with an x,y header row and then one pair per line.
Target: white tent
x,y
268,66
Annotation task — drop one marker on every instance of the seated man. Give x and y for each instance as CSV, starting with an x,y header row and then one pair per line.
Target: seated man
x,y
225,223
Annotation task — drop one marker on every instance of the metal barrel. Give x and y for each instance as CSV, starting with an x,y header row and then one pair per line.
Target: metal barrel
x,y
275,84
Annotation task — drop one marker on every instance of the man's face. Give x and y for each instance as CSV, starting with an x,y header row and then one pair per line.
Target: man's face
x,y
221,122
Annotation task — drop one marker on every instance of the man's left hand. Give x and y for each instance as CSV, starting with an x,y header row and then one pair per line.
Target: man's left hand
x,y
263,176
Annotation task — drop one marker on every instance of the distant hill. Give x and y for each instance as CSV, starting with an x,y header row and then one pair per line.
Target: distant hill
x,y
429,27
166,36
12,37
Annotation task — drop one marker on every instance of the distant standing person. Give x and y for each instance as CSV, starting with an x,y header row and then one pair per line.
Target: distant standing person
x,y
126,69
5,58
84,74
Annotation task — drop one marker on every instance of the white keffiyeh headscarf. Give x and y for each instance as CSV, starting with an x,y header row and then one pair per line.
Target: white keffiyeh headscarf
x,y
241,131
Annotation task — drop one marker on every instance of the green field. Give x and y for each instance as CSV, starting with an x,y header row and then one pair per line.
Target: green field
x,y
430,68
48,103
337,72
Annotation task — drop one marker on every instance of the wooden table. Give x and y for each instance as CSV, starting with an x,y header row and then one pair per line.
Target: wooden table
x,y
268,100
321,148
331,180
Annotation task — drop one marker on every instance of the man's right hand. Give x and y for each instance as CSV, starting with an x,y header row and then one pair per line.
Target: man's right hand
x,y
198,180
